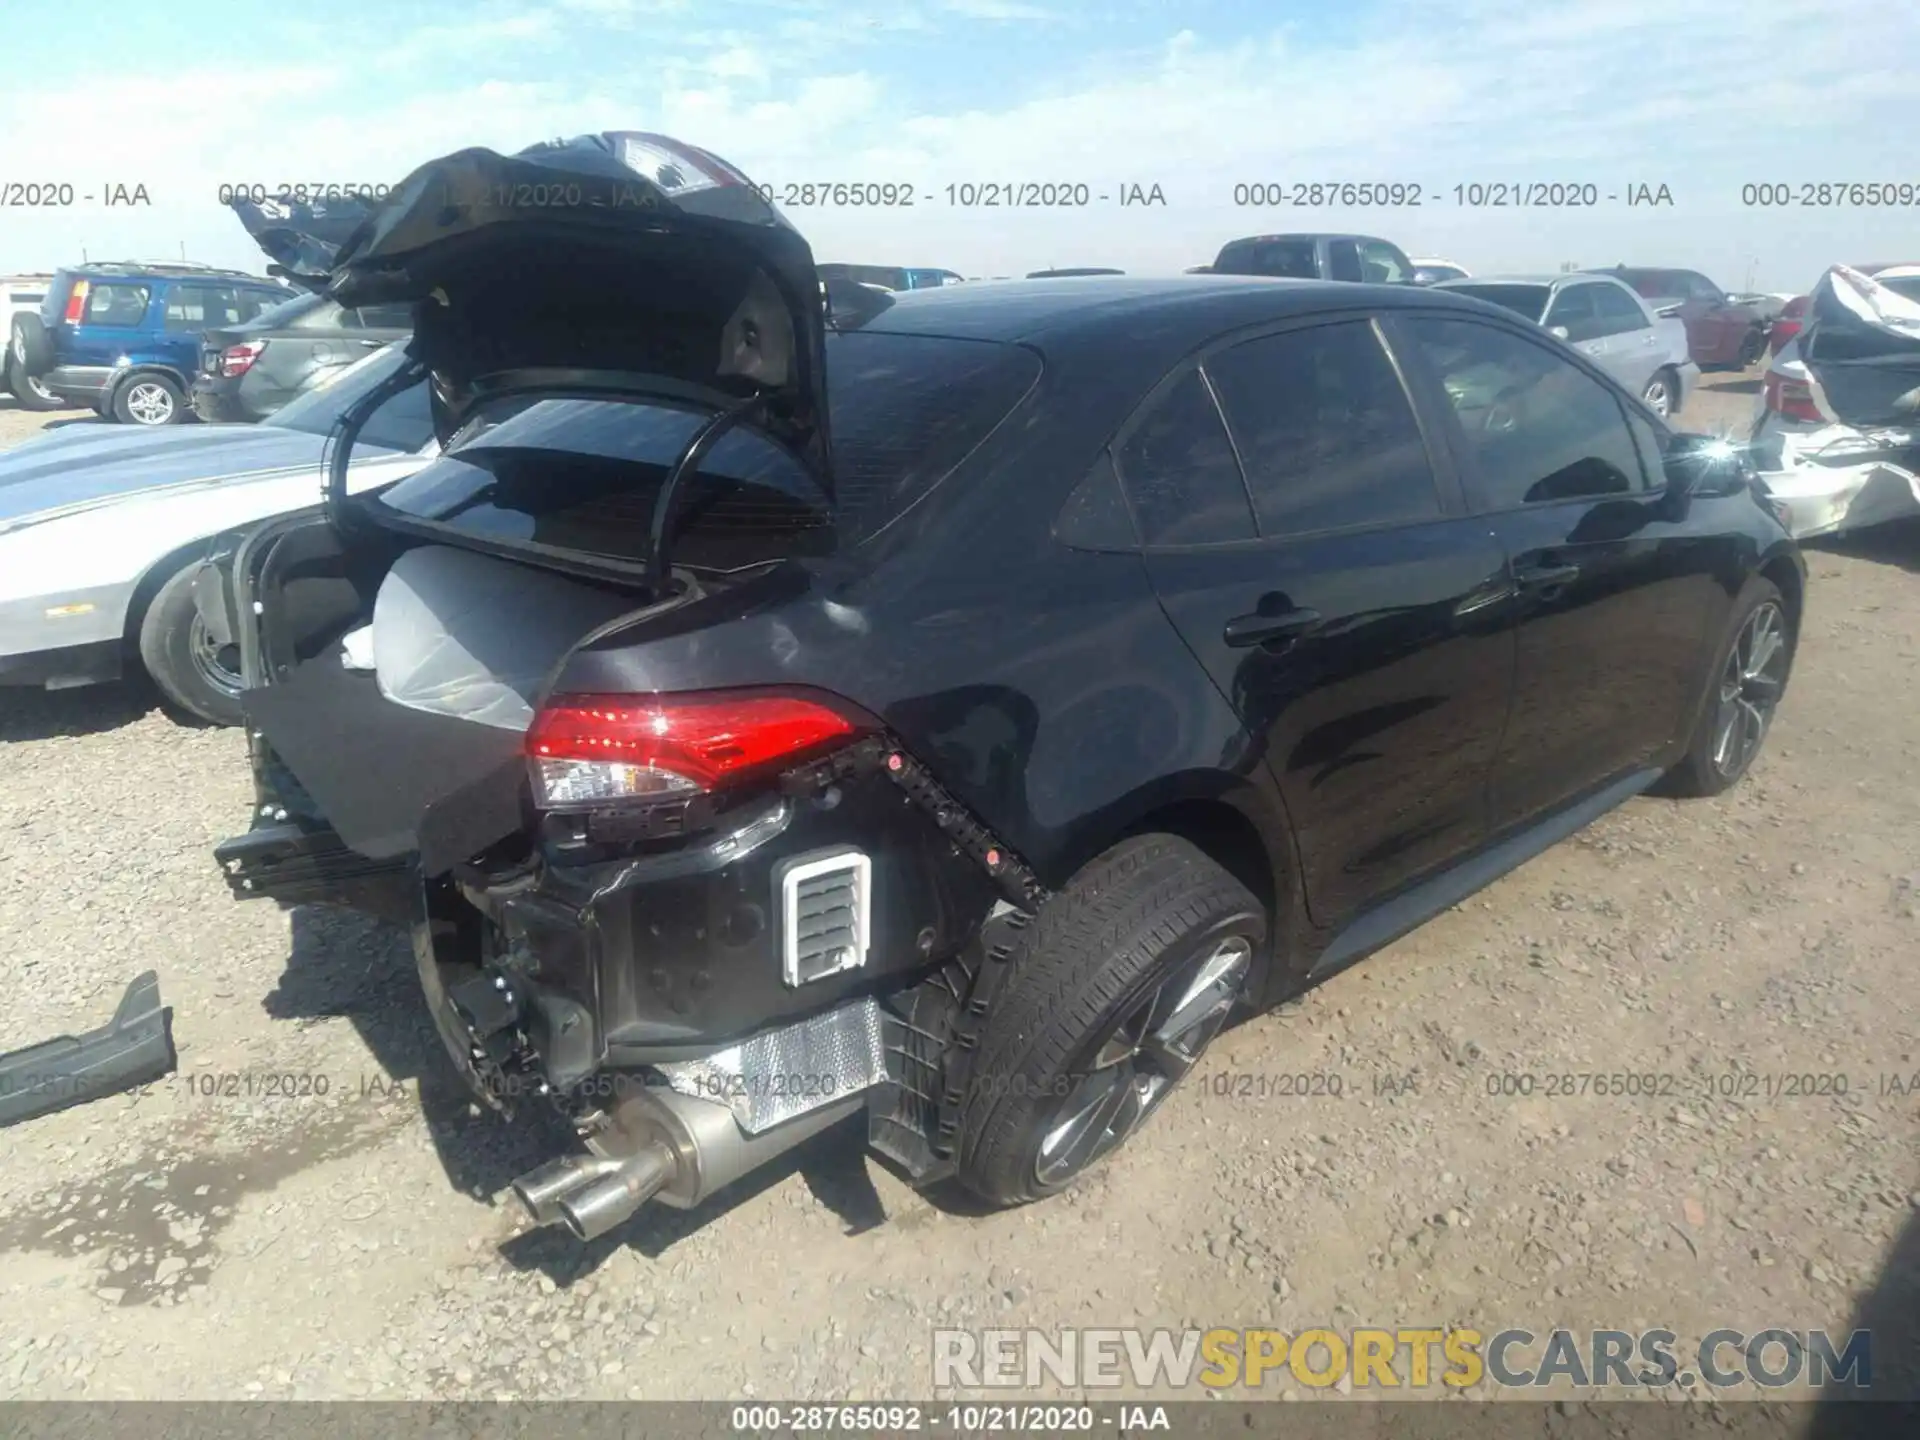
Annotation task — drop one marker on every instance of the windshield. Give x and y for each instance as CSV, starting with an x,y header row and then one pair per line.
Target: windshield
x,y
1905,286
403,423
1528,301
583,475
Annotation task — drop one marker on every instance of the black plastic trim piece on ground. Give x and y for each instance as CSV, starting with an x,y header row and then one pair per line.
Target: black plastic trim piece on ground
x,y
134,1047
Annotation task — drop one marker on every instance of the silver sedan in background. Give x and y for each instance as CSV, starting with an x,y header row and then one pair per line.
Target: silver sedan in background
x,y
1606,322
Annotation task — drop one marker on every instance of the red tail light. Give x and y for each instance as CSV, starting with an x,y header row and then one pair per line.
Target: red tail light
x,y
1791,398
238,359
595,749
77,302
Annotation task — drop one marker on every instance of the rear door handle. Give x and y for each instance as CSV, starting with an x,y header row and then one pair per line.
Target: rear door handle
x,y
1545,577
1257,629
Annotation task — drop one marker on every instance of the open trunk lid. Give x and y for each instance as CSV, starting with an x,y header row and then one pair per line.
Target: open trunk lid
x,y
614,266
1861,347
619,262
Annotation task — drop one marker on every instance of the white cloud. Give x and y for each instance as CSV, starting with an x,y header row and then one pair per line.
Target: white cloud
x,y
1701,97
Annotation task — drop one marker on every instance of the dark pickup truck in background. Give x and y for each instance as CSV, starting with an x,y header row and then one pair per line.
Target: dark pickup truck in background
x,y
1365,258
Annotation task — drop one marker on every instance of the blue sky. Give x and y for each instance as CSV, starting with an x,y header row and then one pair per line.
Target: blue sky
x,y
1702,96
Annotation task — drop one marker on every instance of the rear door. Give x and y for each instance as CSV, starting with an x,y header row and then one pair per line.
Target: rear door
x,y
1609,599
1573,311
1334,589
1634,350
112,323
1717,325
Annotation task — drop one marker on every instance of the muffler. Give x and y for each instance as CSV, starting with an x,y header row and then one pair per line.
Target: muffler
x,y
656,1143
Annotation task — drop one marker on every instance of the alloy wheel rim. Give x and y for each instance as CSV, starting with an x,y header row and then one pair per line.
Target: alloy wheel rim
x,y
150,404
1750,687
1657,397
212,661
1140,1059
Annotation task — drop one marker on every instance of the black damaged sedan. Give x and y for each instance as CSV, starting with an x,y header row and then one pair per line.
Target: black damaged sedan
x,y
949,709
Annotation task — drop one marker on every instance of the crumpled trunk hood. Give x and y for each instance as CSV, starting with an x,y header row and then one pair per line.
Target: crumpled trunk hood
x,y
620,261
1861,347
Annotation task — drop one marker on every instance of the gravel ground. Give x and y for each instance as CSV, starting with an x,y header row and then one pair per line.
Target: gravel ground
x,y
359,1243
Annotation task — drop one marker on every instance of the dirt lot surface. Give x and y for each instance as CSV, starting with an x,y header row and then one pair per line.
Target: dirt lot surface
x,y
192,1242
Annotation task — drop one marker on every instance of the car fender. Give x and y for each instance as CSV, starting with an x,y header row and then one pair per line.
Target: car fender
x,y
128,547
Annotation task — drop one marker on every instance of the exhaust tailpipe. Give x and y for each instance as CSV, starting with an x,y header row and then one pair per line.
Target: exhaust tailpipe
x,y
660,1144
591,1210
540,1191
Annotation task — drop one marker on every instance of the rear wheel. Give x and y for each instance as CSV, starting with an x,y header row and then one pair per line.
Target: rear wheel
x,y
149,400
1120,984
1749,679
190,668
28,391
27,341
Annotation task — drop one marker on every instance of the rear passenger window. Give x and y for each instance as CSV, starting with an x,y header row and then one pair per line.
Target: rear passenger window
x,y
116,304
1181,474
1343,261
1325,430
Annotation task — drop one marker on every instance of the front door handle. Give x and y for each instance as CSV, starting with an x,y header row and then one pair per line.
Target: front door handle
x,y
1545,577
1257,629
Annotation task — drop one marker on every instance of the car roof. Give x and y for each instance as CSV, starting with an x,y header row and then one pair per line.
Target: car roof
x,y
1186,310
1307,235
160,270
1556,279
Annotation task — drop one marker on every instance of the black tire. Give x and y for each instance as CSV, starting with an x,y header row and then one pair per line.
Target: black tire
x,y
140,399
1752,347
1137,924
178,654
1662,394
27,341
26,394
1707,768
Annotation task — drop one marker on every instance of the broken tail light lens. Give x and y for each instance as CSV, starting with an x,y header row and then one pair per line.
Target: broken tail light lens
x,y
593,750
77,302
1791,398
238,359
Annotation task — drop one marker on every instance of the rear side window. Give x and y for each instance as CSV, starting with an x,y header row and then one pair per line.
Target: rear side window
x,y
583,474
1526,301
1289,259
325,316
116,303
1619,312
1325,430
1382,264
1343,261
1180,472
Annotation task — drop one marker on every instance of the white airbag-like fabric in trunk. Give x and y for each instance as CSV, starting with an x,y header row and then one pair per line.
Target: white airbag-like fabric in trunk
x,y
461,634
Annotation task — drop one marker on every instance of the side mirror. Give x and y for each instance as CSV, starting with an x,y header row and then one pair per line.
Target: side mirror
x,y
1706,465
1558,332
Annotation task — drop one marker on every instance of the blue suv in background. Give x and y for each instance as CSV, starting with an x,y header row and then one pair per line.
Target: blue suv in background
x,y
125,338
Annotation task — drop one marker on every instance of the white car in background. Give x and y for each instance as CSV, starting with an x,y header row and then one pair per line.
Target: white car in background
x,y
1431,270
1836,433
18,295
1644,349
102,528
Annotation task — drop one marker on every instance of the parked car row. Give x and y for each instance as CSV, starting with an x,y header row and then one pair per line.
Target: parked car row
x,y
945,714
